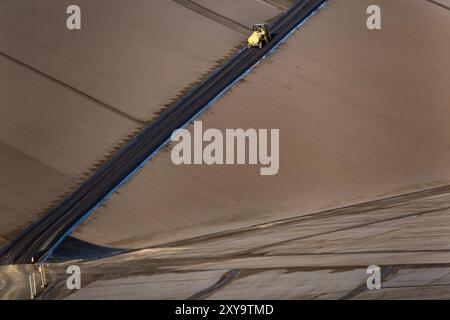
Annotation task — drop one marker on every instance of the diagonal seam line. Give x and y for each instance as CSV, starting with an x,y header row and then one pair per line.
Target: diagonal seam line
x,y
437,3
71,88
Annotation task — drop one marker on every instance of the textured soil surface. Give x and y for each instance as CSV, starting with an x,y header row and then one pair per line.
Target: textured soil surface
x,y
70,98
362,116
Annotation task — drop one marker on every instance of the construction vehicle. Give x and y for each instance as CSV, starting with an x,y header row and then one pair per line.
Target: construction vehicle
x,y
260,36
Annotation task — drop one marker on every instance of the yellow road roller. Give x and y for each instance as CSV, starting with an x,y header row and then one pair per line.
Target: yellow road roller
x,y
260,36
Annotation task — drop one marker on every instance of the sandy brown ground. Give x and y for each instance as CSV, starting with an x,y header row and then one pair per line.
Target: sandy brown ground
x,y
50,138
70,97
355,125
363,115
322,256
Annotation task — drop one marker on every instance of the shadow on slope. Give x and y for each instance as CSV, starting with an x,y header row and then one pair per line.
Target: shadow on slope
x,y
75,249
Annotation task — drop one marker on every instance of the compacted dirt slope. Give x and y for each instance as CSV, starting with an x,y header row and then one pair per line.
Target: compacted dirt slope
x,y
362,114
69,98
49,138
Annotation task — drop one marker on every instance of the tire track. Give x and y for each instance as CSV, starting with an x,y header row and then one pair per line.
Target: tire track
x,y
360,208
437,3
191,5
349,253
223,281
344,229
